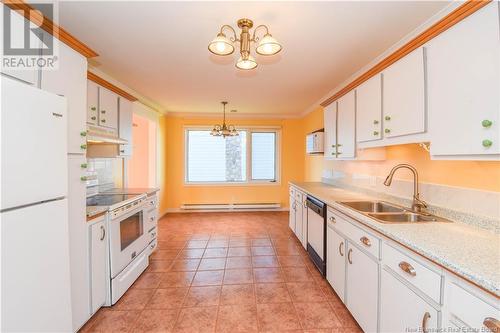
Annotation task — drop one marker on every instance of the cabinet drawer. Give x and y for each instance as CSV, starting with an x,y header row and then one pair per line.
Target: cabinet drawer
x,y
292,192
152,202
422,277
298,196
468,308
356,235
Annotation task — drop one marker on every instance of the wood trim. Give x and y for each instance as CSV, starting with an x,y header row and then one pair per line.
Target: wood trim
x,y
108,85
439,27
49,26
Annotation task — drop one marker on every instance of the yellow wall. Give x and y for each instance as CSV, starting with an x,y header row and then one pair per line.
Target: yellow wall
x,y
484,175
176,193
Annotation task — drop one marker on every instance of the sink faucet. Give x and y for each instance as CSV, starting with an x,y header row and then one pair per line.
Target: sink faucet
x,y
417,205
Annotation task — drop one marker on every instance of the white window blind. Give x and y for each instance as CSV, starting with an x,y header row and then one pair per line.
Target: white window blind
x,y
264,156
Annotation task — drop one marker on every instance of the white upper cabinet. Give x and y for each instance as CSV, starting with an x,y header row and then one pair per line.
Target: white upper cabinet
x,y
92,102
69,79
404,96
464,87
346,117
125,125
369,110
108,108
330,123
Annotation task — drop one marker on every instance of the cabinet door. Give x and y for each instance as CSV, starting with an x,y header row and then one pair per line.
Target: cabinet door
x,y
108,108
346,117
78,240
464,84
98,265
362,288
125,125
404,96
92,102
402,310
293,207
304,222
70,80
298,218
369,110
17,25
330,123
336,263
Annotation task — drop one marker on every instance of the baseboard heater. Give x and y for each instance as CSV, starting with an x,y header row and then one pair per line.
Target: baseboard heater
x,y
224,207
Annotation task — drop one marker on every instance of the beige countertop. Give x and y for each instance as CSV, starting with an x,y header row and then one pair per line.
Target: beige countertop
x,y
469,252
146,190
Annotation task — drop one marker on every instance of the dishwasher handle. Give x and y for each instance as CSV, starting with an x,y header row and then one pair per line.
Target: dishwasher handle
x,y
316,206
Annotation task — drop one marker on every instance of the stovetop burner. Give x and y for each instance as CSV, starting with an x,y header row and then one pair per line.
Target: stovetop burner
x,y
109,199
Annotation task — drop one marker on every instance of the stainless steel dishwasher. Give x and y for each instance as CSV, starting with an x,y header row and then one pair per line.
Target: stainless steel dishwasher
x,y
316,233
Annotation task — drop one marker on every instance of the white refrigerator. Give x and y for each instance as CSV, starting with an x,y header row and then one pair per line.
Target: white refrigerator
x,y
35,269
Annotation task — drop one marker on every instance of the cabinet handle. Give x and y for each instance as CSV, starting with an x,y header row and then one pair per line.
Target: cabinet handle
x,y
387,130
387,118
103,111
365,241
122,151
93,118
426,317
332,219
92,108
152,246
486,123
375,122
406,267
152,218
339,145
492,324
375,132
341,245
487,143
83,165
103,120
83,147
349,253
83,133
103,233
83,178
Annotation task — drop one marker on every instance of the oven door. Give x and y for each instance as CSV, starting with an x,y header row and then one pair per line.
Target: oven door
x,y
128,238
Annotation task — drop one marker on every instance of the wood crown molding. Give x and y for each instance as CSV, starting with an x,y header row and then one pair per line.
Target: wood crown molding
x,y
38,19
439,27
108,85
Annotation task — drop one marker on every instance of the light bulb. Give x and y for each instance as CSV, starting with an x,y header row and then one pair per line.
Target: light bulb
x,y
220,47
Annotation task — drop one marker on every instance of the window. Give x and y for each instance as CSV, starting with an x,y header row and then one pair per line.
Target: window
x,y
249,157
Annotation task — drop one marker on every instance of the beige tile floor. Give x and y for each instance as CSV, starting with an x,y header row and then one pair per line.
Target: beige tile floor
x,y
227,272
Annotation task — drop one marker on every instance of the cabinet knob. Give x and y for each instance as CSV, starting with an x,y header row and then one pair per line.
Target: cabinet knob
x,y
122,151
407,268
83,147
83,165
387,118
103,120
332,219
93,118
83,133
387,130
365,241
375,132
486,123
103,111
333,146
375,122
93,108
83,178
487,143
492,324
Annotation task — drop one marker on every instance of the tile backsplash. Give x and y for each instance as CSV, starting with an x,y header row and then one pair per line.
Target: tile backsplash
x,y
109,171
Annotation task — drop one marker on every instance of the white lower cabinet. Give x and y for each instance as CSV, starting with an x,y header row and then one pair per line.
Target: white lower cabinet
x,y
293,213
98,267
299,209
402,310
362,288
336,263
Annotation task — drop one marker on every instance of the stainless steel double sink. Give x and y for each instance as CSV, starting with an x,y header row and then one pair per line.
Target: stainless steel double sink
x,y
385,212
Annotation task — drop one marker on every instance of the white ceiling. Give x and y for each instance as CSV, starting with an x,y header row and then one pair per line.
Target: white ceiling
x,y
159,49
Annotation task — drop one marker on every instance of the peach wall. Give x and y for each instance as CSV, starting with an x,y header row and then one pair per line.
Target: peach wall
x,y
484,175
175,192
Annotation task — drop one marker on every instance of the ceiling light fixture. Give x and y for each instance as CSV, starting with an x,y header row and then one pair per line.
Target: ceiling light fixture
x,y
224,130
221,45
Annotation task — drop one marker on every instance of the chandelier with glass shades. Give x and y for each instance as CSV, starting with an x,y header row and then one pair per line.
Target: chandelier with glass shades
x,y
224,130
267,45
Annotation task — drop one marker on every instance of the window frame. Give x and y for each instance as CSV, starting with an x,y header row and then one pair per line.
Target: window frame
x,y
249,181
